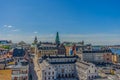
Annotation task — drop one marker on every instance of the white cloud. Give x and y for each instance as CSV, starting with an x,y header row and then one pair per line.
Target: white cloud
x,y
35,32
8,26
15,30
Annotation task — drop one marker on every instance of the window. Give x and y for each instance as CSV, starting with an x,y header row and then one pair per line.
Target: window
x,y
89,71
49,73
62,70
95,71
92,76
89,77
107,59
15,72
52,77
15,78
49,78
53,73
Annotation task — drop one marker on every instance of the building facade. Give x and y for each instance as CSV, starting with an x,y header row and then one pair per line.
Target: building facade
x,y
19,67
47,49
61,50
19,70
58,68
118,58
98,56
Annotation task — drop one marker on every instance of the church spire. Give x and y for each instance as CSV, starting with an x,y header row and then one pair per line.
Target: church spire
x,y
57,40
35,41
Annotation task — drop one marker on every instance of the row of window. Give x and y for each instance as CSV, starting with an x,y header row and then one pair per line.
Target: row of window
x,y
48,51
90,71
80,67
60,76
19,72
91,77
71,67
64,60
65,75
47,48
48,78
20,78
49,73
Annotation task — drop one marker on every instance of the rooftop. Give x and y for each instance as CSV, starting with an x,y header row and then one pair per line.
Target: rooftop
x,y
18,52
97,51
115,51
21,64
83,65
60,59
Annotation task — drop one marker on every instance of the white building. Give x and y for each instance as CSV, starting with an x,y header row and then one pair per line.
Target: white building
x,y
86,71
58,68
20,70
96,56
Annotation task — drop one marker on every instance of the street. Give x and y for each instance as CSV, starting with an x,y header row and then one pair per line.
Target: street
x,y
33,72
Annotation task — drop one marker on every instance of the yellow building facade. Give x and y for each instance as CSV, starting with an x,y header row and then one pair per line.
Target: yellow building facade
x,y
114,58
5,75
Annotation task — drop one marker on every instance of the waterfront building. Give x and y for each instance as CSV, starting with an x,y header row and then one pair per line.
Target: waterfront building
x,y
80,47
118,58
98,56
114,58
115,55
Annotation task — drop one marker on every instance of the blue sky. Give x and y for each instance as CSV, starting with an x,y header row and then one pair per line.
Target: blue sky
x,y
95,21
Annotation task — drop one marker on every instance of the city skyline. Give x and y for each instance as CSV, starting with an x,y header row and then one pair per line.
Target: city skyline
x,y
95,22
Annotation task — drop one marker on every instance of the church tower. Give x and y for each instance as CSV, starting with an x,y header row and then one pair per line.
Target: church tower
x,y
57,40
35,41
